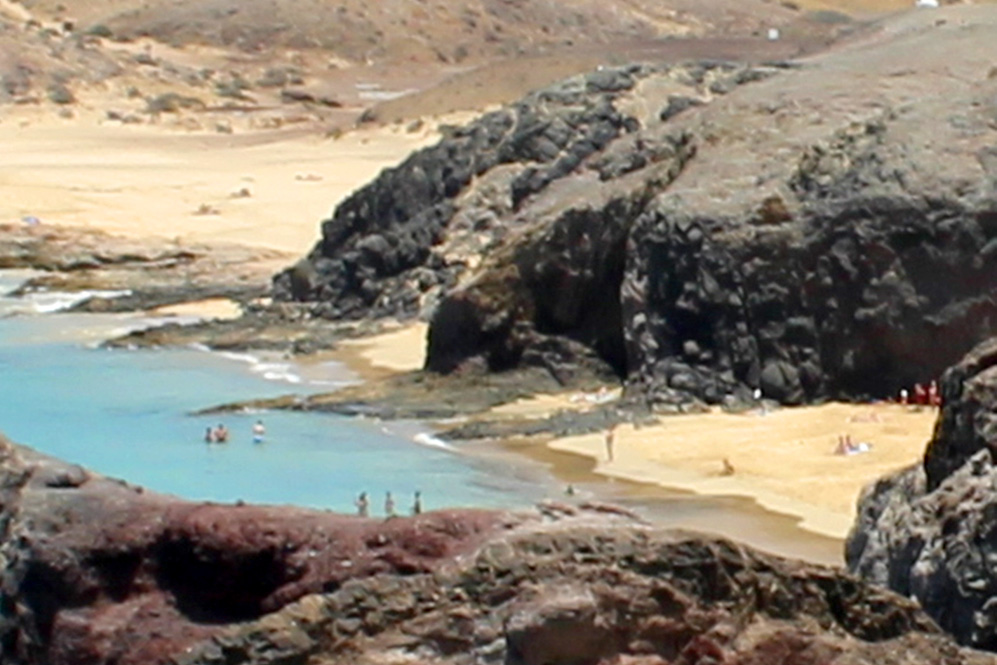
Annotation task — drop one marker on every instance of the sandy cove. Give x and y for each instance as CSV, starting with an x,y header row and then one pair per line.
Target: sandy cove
x,y
783,459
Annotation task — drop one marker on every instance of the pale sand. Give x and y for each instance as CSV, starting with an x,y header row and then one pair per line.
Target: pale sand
x,y
402,350
784,460
210,308
262,189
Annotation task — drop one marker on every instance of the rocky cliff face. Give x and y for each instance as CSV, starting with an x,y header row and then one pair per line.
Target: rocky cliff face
x,y
928,532
825,229
418,226
96,571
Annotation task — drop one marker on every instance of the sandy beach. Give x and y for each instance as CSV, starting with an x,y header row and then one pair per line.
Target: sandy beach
x,y
784,460
264,189
400,350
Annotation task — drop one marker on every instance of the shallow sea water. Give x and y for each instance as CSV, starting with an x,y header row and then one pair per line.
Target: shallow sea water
x,y
127,414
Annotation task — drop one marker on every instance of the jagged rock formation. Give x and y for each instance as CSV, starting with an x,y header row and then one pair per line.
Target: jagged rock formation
x,y
96,571
928,531
576,593
702,230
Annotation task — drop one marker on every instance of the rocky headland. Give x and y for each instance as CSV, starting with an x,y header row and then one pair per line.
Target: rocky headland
x,y
816,229
98,571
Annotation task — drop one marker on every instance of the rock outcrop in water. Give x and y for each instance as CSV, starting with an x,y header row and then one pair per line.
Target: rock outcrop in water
x,y
827,229
929,531
96,571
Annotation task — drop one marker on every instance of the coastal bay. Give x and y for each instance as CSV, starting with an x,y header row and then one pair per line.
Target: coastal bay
x,y
734,509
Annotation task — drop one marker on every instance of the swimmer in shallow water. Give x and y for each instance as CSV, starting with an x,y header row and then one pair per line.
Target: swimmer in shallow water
x,y
259,432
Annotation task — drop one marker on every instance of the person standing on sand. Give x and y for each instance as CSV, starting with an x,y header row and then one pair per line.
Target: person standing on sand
x,y
363,504
417,503
389,505
610,440
728,468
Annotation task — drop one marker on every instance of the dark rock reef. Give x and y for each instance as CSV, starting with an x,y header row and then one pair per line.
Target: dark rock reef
x,y
929,531
825,229
139,274
96,571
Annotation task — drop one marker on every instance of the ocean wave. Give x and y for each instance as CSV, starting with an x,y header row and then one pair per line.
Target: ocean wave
x,y
247,358
428,440
47,302
281,372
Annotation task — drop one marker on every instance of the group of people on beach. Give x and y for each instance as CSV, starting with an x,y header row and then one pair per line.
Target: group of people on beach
x,y
924,395
220,434
363,504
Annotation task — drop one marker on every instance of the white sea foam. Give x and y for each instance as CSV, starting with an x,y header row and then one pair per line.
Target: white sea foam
x,y
269,369
247,358
46,302
427,439
278,372
273,367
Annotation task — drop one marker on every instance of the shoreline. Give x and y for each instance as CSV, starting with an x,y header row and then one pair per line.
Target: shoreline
x,y
736,517
744,507
782,460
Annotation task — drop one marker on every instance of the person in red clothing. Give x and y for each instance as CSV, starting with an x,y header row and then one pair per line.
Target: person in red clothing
x,y
934,398
920,395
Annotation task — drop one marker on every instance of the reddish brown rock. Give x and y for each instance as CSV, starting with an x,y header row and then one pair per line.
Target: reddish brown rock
x,y
97,571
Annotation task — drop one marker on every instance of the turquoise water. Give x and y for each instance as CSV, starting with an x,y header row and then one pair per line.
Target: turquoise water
x,y
126,414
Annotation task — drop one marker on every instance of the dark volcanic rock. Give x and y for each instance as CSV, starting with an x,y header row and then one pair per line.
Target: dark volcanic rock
x,y
417,395
395,243
701,230
276,328
578,592
806,251
929,532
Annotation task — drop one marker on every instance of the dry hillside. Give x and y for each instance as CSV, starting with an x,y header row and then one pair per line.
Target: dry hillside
x,y
249,64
